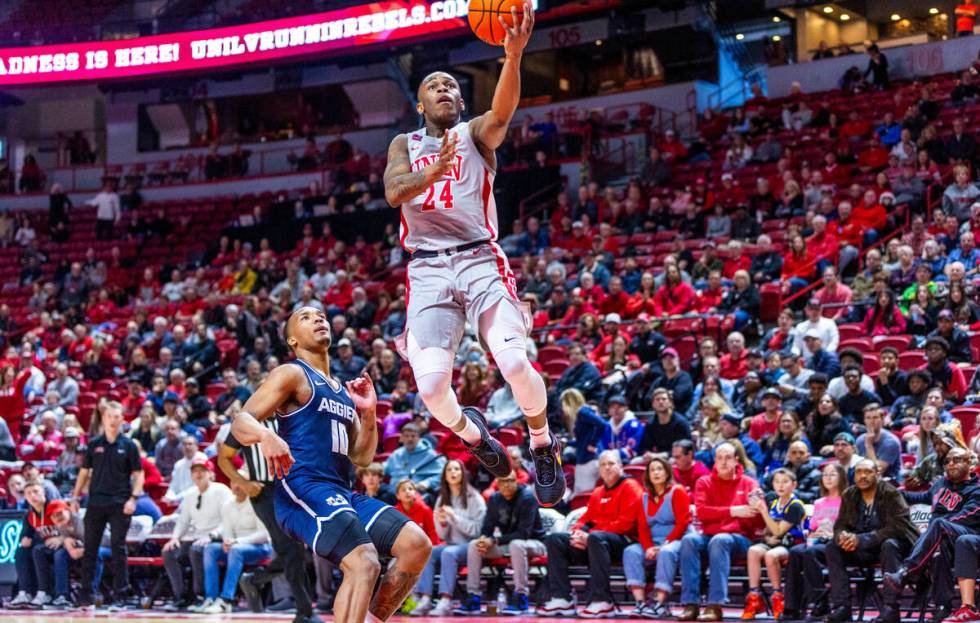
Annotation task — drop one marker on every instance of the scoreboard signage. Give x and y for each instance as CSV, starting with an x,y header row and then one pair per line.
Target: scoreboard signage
x,y
274,40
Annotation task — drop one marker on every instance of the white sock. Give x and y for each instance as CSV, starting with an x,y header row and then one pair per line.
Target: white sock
x,y
540,437
441,402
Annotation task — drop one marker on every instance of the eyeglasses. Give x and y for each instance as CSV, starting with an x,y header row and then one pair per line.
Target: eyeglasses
x,y
956,459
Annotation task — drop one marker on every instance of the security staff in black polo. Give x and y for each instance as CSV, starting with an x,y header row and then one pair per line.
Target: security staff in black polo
x,y
113,476
259,486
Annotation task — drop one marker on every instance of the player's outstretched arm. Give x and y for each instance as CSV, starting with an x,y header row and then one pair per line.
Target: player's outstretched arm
x,y
275,392
365,428
401,183
490,128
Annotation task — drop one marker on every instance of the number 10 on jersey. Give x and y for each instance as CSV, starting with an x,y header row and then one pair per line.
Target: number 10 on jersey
x,y
444,196
338,437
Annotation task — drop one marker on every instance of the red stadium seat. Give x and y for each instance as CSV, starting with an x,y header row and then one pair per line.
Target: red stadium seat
x,y
556,367
899,342
910,360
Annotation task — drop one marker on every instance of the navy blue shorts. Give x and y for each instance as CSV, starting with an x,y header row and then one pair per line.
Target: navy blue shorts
x,y
332,521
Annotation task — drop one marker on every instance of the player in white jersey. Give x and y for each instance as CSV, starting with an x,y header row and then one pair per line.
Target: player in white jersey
x,y
441,176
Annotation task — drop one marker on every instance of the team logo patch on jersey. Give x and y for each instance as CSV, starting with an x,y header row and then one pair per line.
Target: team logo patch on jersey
x,y
336,500
416,137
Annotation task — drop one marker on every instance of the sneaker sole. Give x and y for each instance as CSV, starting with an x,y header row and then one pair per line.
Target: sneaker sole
x,y
597,615
570,612
503,467
551,495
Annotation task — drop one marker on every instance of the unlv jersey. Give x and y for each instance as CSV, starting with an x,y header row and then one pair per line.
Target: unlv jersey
x,y
459,208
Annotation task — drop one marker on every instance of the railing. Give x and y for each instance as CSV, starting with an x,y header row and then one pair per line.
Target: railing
x,y
522,207
739,87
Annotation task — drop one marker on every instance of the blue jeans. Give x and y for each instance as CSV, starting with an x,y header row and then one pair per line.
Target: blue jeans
x,y
449,557
721,548
239,556
48,563
146,506
104,554
635,563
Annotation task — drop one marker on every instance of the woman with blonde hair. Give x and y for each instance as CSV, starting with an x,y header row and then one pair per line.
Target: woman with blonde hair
x,y
713,406
587,430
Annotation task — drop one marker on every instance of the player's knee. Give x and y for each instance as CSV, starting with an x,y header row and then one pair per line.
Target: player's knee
x,y
513,365
415,547
362,563
433,386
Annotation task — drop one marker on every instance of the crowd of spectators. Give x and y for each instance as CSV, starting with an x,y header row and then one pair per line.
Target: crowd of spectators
x,y
799,446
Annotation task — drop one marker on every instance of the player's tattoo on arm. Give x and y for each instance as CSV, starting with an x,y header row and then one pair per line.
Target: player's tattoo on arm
x,y
401,183
395,587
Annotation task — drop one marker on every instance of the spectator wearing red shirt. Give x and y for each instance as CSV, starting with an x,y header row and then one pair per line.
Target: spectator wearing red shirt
x,y
823,244
45,442
730,194
411,504
711,297
729,526
642,302
616,301
833,172
798,265
736,260
884,318
966,18
610,330
871,216
12,405
734,363
834,296
133,401
944,372
340,295
874,157
597,539
855,128
766,423
674,297
687,470
849,230
671,148
580,242
81,344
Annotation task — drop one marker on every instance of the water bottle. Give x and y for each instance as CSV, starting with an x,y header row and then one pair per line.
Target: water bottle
x,y
501,600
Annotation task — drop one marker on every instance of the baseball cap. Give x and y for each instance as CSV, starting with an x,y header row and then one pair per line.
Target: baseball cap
x,y
578,224
644,317
756,353
669,352
770,391
727,176
343,342
135,378
56,506
813,303
946,314
192,381
71,431
732,419
618,399
848,437
613,317
937,341
812,333
201,461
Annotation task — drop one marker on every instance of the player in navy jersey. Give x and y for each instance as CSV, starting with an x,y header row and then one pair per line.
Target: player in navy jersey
x,y
324,427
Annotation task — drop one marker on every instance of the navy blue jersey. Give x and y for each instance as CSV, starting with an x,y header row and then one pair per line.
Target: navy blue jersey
x,y
318,432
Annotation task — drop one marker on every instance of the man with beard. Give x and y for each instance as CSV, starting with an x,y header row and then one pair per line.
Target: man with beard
x,y
955,502
873,526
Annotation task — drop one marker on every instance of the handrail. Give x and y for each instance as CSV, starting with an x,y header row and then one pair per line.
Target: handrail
x,y
521,206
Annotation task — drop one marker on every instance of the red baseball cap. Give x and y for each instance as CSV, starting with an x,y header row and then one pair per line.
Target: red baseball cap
x,y
201,461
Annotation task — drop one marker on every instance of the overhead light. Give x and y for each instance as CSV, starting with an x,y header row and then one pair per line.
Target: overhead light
x,y
775,19
896,17
777,38
828,9
933,11
739,37
845,17
598,41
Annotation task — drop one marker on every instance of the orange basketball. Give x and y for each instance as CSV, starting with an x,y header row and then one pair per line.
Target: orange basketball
x,y
483,18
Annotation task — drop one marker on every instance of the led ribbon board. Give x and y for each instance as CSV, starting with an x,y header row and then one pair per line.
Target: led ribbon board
x,y
273,40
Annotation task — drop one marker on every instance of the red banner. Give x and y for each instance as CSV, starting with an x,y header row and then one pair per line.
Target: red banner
x,y
273,40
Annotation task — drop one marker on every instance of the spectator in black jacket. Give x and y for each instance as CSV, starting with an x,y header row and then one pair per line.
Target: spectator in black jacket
x,y
742,300
890,382
961,148
767,264
669,376
646,344
203,352
955,501
665,427
957,338
513,511
581,374
806,469
198,406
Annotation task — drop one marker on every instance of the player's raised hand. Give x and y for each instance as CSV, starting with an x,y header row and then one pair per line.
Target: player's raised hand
x,y
362,393
277,454
517,36
447,155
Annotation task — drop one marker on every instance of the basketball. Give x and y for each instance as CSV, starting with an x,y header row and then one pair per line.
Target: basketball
x,y
483,18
